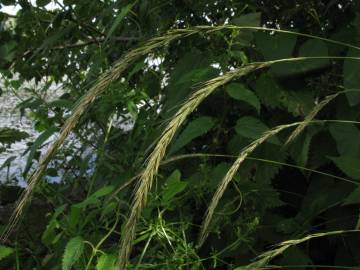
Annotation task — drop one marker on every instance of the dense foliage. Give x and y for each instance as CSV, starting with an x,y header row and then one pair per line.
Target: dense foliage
x,y
159,99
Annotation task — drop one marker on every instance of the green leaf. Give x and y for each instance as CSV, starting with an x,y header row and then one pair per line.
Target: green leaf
x,y
193,130
249,19
173,186
5,252
311,48
347,139
93,198
42,3
106,262
277,46
269,91
353,198
238,91
351,77
252,128
124,11
11,135
348,165
73,250
185,74
7,162
36,145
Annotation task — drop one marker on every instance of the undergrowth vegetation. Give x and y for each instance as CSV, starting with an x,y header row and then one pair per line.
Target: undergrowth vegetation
x,y
188,135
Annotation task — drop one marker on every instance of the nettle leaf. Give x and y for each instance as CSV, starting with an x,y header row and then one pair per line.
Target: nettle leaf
x,y
252,128
272,95
11,135
73,250
322,194
238,91
194,129
5,252
353,198
251,19
351,77
277,46
268,90
172,186
186,74
311,48
348,165
265,172
347,139
106,262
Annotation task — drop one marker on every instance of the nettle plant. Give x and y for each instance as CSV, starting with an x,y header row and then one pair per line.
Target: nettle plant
x,y
211,144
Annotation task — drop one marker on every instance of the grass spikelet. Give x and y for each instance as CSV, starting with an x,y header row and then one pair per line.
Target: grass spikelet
x,y
310,117
230,174
263,259
85,102
154,160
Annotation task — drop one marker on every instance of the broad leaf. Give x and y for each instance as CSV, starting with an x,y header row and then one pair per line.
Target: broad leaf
x,y
106,262
194,129
348,165
73,250
277,46
313,48
5,252
347,139
238,91
351,77
250,19
37,144
11,135
172,186
353,198
252,128
124,11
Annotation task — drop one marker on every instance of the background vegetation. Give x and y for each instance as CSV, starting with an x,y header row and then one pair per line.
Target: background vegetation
x,y
165,104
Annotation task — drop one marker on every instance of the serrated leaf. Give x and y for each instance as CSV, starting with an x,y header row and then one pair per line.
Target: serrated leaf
x,y
106,262
348,165
252,128
238,91
353,198
11,135
173,186
73,250
268,91
194,129
5,252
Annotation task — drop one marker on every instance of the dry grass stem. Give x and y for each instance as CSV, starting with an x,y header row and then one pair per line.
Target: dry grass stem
x,y
263,259
231,173
85,102
310,117
154,160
